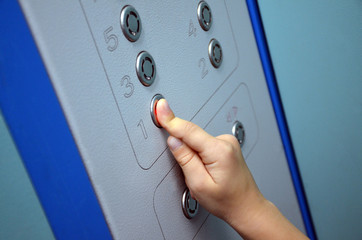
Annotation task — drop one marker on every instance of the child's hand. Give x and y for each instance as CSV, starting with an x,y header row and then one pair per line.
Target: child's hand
x,y
219,179
214,168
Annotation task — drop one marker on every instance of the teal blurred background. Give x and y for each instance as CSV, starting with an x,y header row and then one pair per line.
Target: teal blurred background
x,y
21,215
316,49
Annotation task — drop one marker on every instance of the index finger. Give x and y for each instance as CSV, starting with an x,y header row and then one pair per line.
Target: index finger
x,y
194,136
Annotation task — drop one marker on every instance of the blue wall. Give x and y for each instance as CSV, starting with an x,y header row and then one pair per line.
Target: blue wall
x,y
316,49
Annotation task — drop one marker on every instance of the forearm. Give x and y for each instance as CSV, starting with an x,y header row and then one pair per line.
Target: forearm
x,y
265,222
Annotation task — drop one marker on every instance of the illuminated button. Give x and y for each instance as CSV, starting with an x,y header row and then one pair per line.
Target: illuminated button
x,y
153,109
204,15
239,132
131,23
215,53
190,206
146,68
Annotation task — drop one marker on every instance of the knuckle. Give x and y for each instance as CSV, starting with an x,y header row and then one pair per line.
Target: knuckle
x,y
232,140
228,149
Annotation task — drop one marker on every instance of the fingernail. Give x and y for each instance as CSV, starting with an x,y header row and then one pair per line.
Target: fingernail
x,y
163,109
174,143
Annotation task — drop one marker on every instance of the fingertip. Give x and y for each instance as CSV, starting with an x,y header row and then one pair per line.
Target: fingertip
x,y
164,112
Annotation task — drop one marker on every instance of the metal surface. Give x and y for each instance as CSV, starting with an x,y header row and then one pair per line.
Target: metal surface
x,y
146,68
131,23
239,132
190,206
169,193
215,53
153,106
204,15
182,66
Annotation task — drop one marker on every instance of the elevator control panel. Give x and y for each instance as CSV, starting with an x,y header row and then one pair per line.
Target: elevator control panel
x,y
170,74
110,62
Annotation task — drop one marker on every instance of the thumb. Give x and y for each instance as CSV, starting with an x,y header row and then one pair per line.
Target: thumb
x,y
191,134
190,163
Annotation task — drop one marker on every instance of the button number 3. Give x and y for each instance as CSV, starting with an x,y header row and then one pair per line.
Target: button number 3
x,y
126,80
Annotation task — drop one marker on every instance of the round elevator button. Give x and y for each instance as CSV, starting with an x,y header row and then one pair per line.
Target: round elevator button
x,y
131,23
153,109
190,206
204,15
215,53
239,132
146,68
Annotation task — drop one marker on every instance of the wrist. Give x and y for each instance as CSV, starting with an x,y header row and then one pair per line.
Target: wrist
x,y
248,216
263,220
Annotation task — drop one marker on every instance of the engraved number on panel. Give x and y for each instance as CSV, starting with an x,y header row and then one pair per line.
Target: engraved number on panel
x,y
111,39
126,80
232,114
192,29
141,125
202,65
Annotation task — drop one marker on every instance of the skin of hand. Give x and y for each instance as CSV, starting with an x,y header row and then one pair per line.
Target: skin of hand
x,y
219,179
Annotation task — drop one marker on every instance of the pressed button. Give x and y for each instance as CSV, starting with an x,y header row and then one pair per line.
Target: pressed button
x,y
153,109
